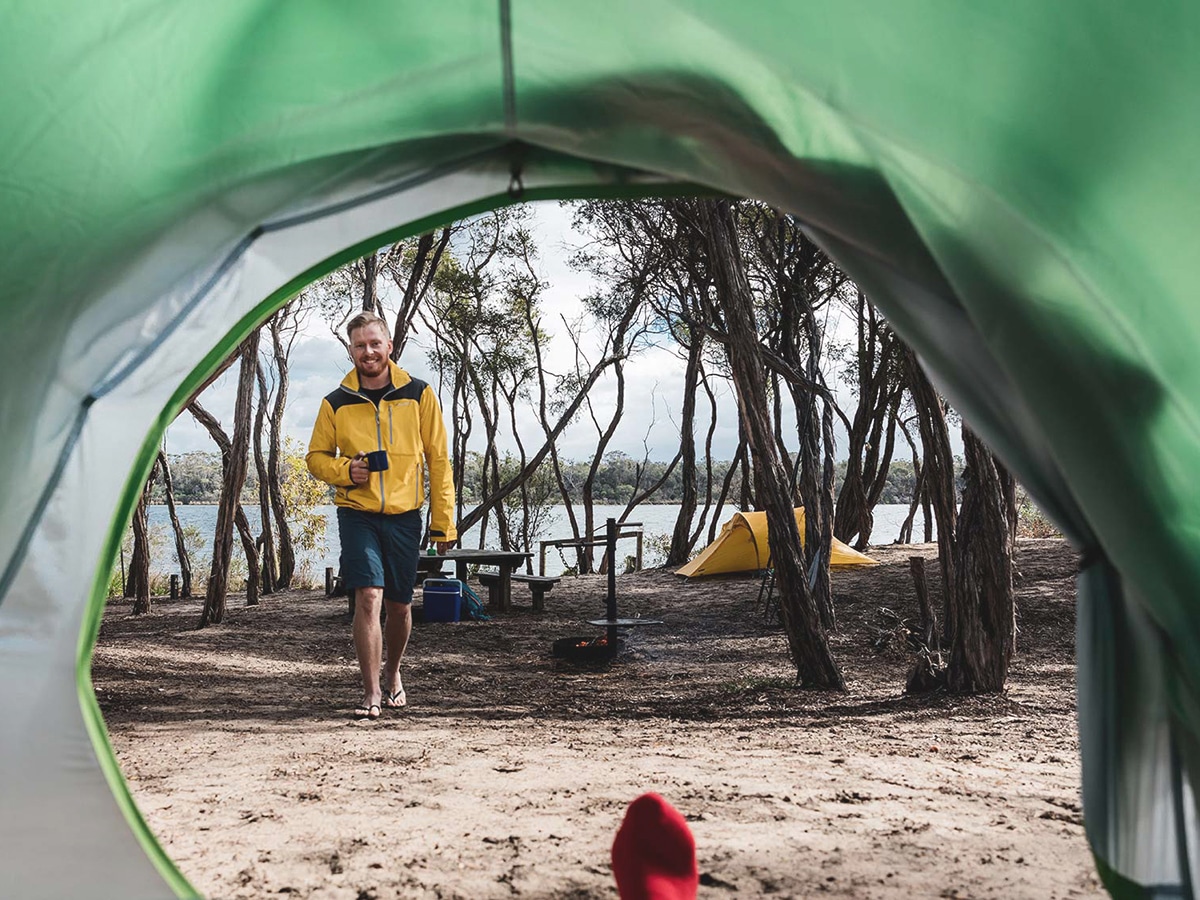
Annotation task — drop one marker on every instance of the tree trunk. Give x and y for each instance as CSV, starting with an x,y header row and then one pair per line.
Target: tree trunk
x,y
938,472
565,417
370,276
535,330
185,562
905,535
250,549
681,538
981,644
287,555
708,510
589,481
726,484
266,536
414,288
823,588
138,583
234,455
809,646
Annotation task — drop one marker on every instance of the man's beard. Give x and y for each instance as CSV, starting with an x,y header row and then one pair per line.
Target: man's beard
x,y
371,370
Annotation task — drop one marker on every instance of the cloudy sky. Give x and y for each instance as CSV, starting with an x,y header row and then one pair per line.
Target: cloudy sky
x,y
654,378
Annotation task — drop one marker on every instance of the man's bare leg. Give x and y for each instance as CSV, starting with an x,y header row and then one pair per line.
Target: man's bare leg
x,y
368,642
398,629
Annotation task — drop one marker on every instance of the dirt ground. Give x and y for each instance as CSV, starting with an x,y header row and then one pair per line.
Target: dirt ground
x,y
509,772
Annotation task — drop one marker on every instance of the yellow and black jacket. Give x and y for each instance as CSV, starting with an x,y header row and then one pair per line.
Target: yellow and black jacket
x,y
408,425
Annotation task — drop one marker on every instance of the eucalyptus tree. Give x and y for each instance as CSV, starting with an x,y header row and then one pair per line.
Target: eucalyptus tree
x,y
647,259
807,639
137,583
975,548
875,371
229,508
181,550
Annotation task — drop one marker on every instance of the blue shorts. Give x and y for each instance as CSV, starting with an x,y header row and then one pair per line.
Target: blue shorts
x,y
380,551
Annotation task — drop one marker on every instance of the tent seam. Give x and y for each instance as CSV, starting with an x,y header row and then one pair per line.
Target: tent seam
x,y
381,193
506,63
22,547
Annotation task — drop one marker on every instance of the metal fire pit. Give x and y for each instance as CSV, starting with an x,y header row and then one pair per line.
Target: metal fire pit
x,y
608,645
585,649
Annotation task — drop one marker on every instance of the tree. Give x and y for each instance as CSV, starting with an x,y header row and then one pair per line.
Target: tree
x,y
229,509
266,534
974,547
648,250
181,550
875,371
283,327
137,585
809,645
983,633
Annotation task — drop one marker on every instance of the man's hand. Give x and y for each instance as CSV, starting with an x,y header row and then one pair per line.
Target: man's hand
x,y
359,473
443,546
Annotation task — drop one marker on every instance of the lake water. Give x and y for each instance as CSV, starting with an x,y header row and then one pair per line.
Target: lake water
x,y
658,522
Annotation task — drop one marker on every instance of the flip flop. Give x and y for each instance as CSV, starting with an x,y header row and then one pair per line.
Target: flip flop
x,y
395,699
367,712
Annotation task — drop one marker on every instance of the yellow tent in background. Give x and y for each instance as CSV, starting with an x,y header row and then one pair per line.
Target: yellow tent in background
x,y
742,547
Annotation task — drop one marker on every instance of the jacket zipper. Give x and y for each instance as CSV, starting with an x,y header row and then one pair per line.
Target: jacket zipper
x,y
379,437
379,440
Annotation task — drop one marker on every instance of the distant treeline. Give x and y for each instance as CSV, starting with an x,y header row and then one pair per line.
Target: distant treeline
x,y
197,479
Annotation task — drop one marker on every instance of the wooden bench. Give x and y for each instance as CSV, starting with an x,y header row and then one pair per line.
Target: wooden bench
x,y
539,586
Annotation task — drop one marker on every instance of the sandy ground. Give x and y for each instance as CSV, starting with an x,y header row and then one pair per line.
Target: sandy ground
x,y
509,772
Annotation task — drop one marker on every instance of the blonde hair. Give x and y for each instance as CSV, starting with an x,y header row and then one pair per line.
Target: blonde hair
x,y
362,320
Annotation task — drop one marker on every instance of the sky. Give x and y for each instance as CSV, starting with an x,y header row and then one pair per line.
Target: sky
x,y
654,378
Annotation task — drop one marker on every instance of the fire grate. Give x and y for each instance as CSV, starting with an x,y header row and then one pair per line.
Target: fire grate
x,y
585,649
606,646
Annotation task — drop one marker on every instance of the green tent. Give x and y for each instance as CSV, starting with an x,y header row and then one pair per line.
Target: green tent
x,y
1016,185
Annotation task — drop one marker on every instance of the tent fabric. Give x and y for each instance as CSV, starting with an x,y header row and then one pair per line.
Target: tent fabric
x,y
1013,184
742,547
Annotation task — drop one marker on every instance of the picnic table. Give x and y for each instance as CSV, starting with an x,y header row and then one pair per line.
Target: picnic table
x,y
505,561
499,593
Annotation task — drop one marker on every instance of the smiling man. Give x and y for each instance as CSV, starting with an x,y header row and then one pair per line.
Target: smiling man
x,y
373,439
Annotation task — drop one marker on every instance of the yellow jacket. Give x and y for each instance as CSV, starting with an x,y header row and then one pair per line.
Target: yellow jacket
x,y
408,425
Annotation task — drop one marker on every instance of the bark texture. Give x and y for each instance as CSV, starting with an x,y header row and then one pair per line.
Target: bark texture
x,y
181,551
235,459
985,621
807,641
137,585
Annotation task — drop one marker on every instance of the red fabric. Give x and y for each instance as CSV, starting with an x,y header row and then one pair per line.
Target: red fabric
x,y
654,853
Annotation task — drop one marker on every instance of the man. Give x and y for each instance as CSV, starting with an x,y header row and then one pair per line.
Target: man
x,y
369,440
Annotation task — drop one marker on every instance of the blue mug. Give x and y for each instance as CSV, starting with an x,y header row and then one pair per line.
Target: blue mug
x,y
377,460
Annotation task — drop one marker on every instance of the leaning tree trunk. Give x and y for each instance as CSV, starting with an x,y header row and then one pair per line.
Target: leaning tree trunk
x,y
181,552
231,488
250,549
807,641
138,583
985,618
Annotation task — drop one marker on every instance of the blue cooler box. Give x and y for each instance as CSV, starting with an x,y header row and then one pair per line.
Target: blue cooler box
x,y
443,599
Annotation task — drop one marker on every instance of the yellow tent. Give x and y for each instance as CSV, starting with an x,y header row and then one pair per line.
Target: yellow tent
x,y
742,547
